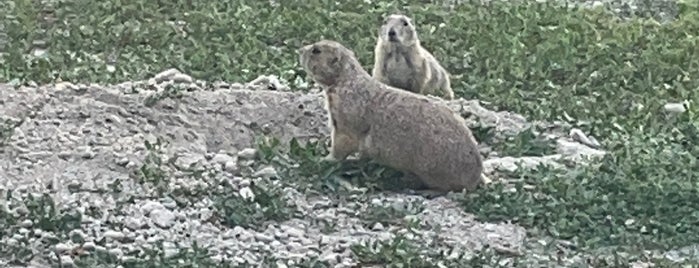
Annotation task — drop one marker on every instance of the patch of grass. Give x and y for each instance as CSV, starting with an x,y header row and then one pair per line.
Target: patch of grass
x,y
266,205
33,212
194,256
404,252
526,143
7,129
303,162
643,195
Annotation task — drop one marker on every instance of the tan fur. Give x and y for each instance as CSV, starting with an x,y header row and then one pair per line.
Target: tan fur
x,y
400,61
413,133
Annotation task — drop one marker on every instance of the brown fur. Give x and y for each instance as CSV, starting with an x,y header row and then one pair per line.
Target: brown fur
x,y
413,133
400,61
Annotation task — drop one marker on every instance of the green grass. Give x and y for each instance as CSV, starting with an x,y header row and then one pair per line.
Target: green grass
x,y
611,76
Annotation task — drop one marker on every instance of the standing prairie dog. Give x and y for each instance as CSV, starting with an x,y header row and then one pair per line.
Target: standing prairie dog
x,y
409,132
400,61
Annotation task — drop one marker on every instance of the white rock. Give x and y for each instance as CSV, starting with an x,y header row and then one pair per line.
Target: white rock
x,y
266,172
332,258
149,206
89,246
263,237
170,249
134,223
116,252
26,223
62,248
114,235
577,152
231,167
165,75
247,153
182,78
222,158
675,107
67,261
579,136
162,218
246,193
295,232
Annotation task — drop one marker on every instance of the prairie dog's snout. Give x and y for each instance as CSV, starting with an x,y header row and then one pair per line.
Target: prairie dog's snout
x,y
392,35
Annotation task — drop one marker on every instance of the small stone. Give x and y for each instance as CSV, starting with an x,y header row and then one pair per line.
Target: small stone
x,y
231,167
149,206
89,246
222,158
12,242
114,235
74,185
247,153
169,249
67,261
163,218
674,107
246,193
377,227
134,223
88,155
116,252
168,203
165,75
62,248
244,182
122,161
295,232
181,78
263,237
64,85
23,211
26,223
205,214
266,172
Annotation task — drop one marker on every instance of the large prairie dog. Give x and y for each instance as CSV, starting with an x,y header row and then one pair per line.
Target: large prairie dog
x,y
410,132
400,61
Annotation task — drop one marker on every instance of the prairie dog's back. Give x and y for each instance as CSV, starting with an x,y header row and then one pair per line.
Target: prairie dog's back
x,y
415,128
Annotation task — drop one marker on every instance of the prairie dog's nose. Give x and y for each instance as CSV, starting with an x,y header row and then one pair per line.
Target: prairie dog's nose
x,y
391,32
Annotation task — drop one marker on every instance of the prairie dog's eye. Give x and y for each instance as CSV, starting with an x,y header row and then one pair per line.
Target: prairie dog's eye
x,y
405,23
315,50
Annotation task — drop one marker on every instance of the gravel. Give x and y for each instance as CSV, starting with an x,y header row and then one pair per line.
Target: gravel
x,y
84,145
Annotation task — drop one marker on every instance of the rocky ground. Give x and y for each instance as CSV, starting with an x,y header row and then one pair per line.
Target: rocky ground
x,y
79,143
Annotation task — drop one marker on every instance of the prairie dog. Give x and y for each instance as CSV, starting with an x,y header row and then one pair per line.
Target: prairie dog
x,y
413,133
400,61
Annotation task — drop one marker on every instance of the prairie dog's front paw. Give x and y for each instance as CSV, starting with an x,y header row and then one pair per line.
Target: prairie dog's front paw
x,y
328,158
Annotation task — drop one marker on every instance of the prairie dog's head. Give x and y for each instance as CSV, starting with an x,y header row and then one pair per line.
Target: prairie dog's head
x,y
328,62
399,29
